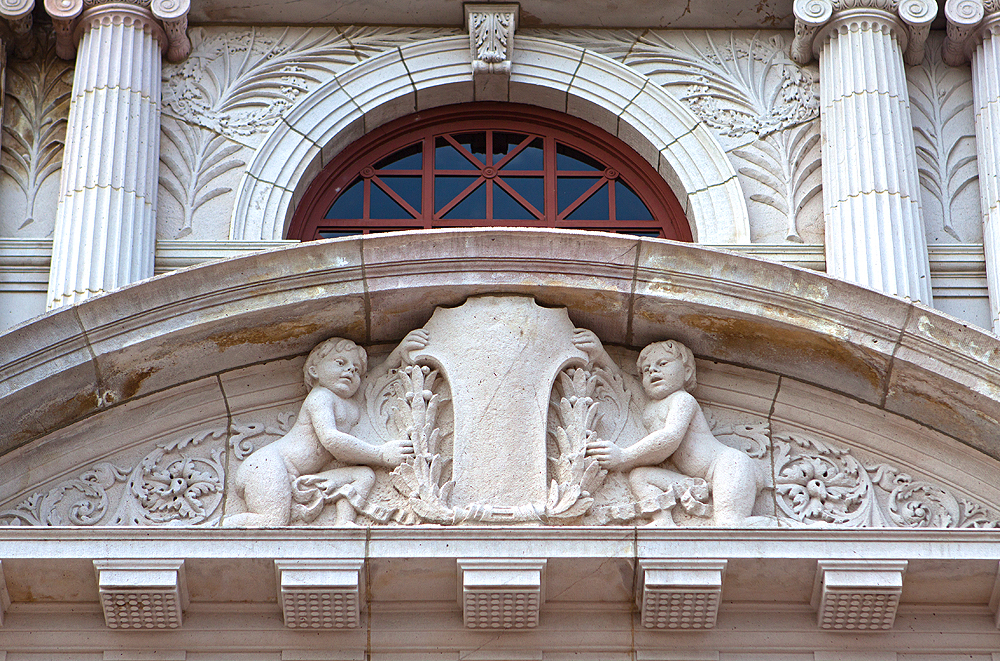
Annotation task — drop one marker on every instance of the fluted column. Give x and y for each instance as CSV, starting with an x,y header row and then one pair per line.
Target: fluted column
x,y
874,228
974,32
105,227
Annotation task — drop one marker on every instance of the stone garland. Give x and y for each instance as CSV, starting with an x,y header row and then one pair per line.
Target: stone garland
x,y
816,483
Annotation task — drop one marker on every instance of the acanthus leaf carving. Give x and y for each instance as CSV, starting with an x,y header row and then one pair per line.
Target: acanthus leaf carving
x,y
944,134
817,483
34,129
81,501
203,158
763,107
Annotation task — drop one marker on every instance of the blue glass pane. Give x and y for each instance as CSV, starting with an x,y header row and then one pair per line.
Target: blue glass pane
x,y
569,189
351,202
384,207
447,157
595,208
447,189
407,187
473,207
628,206
568,158
529,158
407,158
531,189
651,234
336,234
507,208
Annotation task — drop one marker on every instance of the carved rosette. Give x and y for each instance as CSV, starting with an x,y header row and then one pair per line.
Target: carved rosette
x,y
815,20
491,36
165,20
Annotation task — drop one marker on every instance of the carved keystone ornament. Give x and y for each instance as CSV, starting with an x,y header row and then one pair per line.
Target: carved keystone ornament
x,y
497,411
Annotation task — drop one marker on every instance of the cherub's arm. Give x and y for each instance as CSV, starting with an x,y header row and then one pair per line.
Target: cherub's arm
x,y
654,448
319,406
402,354
587,341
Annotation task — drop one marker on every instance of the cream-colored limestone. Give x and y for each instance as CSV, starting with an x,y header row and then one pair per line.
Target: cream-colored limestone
x,y
211,381
974,35
423,75
874,230
106,220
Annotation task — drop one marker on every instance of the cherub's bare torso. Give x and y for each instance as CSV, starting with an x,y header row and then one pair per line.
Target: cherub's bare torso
x,y
300,448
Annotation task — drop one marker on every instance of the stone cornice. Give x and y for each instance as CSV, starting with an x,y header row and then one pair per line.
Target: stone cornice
x,y
166,20
815,20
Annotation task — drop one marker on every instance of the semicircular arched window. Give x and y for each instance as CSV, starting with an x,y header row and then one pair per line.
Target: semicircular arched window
x,y
488,164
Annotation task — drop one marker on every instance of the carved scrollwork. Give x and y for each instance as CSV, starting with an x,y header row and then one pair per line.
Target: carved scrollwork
x,y
172,485
817,483
82,501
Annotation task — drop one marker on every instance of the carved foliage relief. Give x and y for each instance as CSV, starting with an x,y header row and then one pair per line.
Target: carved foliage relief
x,y
222,100
763,107
801,479
36,107
945,137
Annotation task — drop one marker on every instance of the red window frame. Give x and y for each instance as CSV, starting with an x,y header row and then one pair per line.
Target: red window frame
x,y
622,164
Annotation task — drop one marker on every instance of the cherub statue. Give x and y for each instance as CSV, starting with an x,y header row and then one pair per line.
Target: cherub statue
x,y
267,480
677,430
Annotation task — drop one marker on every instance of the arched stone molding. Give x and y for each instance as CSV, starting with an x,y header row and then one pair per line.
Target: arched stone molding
x,y
545,73
157,350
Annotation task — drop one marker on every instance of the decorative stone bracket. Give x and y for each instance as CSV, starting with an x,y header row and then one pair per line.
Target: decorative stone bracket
x,y
812,16
167,19
17,15
491,40
966,21
320,594
858,595
680,594
142,594
501,594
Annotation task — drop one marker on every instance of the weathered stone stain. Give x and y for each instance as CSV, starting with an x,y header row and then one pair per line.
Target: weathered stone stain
x,y
788,345
279,332
134,381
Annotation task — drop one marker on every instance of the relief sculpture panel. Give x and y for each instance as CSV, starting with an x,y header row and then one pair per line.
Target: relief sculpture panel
x,y
498,411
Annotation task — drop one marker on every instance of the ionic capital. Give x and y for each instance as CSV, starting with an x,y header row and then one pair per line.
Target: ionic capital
x,y
17,14
165,20
968,22
816,20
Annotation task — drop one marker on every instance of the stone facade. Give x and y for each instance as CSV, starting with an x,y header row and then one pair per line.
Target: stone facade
x,y
499,444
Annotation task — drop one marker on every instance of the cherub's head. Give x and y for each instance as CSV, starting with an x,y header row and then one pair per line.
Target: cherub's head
x,y
338,365
665,368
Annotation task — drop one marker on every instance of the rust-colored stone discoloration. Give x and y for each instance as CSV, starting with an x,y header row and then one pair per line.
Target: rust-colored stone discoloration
x,y
274,333
791,345
133,382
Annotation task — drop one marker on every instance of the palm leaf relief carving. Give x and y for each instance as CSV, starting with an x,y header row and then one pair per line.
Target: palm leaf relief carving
x,y
192,159
943,130
34,129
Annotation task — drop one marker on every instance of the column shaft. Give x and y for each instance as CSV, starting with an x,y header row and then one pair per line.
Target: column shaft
x,y
986,95
874,229
105,227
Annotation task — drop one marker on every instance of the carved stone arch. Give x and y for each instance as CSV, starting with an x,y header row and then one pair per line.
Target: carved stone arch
x,y
546,73
163,379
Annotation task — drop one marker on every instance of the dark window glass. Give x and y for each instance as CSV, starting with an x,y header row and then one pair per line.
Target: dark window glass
x,y
594,207
407,158
571,188
472,207
407,187
568,158
447,188
507,208
350,204
628,206
384,207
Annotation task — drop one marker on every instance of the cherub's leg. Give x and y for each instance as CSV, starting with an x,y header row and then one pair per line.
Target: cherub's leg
x,y
267,491
361,480
734,487
648,484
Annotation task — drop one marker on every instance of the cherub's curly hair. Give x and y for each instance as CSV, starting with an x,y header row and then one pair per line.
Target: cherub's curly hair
x,y
334,345
675,350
